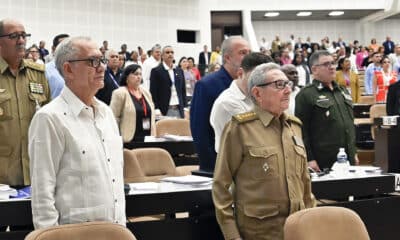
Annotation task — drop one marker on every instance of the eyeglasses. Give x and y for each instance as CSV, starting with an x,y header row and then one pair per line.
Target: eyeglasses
x,y
15,35
293,73
279,84
94,62
386,62
327,64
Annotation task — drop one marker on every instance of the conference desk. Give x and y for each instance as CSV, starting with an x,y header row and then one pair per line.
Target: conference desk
x,y
183,152
374,201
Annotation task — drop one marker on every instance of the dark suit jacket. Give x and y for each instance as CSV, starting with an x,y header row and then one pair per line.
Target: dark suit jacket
x,y
202,62
160,88
389,47
111,82
393,99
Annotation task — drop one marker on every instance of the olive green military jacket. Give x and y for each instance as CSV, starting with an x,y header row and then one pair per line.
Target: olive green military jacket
x,y
20,96
265,159
328,122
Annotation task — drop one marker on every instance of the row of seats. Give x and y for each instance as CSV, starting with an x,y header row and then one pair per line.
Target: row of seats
x,y
328,223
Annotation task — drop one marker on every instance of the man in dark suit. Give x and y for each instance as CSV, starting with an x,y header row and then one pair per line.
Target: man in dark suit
x,y
393,99
204,60
167,86
388,45
111,77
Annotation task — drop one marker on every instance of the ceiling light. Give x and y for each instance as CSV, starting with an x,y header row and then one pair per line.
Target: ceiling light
x,y
336,13
304,14
271,14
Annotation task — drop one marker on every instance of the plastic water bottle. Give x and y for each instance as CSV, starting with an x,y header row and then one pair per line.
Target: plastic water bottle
x,y
341,167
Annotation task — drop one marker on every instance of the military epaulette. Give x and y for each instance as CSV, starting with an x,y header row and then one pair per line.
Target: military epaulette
x,y
35,66
245,117
295,119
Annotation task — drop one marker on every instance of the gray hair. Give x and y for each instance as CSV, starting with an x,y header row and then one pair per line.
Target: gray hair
x,y
110,52
165,47
314,58
66,51
157,46
226,47
258,76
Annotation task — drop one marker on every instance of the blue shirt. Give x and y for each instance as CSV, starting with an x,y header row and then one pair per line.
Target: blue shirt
x,y
205,92
56,81
369,76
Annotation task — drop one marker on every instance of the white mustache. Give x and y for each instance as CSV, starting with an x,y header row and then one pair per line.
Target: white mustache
x,y
20,46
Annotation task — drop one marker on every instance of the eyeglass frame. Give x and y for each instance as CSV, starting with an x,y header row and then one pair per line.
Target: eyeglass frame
x,y
286,83
327,64
16,35
91,61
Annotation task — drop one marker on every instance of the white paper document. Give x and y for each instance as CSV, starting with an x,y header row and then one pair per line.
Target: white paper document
x,y
189,179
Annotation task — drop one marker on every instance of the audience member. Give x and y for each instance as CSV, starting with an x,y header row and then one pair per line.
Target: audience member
x,y
111,77
303,71
204,61
216,56
347,78
214,68
392,99
134,59
125,52
56,81
193,68
75,146
24,89
395,60
34,51
167,86
235,99
374,46
206,91
150,63
190,79
42,50
370,71
291,73
133,106
319,106
276,44
388,46
360,56
382,79
261,164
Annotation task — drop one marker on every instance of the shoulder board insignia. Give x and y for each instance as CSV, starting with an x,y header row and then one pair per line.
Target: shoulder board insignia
x,y
295,120
245,117
35,66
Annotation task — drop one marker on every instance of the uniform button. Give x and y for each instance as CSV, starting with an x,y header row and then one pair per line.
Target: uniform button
x,y
116,200
113,180
108,160
116,221
103,139
83,152
65,113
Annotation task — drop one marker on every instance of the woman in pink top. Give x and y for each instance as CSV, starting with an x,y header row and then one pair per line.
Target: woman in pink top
x,y
360,55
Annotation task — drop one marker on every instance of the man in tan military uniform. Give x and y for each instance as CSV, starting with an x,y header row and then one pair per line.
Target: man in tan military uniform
x,y
262,153
23,89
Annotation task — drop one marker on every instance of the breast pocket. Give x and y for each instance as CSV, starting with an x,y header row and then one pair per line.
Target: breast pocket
x,y
5,105
263,163
325,110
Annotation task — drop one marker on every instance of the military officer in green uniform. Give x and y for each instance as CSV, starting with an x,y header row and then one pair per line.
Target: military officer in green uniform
x,y
325,108
23,89
261,167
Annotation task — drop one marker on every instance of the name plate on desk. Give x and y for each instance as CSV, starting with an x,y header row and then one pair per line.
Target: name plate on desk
x,y
397,182
389,120
386,121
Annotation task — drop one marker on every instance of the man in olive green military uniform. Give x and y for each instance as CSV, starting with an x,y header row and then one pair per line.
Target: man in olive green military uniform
x,y
263,155
23,89
325,108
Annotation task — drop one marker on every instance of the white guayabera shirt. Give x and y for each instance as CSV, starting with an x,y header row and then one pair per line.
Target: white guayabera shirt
x,y
76,163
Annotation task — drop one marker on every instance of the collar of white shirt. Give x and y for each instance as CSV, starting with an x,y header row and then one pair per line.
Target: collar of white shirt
x,y
76,105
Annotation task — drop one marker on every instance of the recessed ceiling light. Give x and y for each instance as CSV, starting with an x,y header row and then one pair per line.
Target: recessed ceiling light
x,y
271,14
336,13
304,14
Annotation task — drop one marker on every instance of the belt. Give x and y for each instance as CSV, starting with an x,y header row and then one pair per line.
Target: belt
x,y
174,107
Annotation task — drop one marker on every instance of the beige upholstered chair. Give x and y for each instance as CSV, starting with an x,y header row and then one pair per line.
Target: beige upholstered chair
x,y
180,127
376,110
367,99
327,223
148,165
83,231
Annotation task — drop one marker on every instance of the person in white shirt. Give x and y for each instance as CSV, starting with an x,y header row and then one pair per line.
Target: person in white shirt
x,y
149,64
75,150
235,100
291,73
